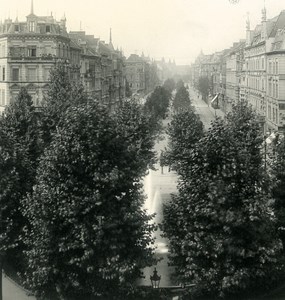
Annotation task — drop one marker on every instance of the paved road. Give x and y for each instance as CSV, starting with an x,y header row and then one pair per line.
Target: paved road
x,y
159,187
11,291
206,113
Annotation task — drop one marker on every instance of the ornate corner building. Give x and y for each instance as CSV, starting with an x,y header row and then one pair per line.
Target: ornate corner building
x,y
29,49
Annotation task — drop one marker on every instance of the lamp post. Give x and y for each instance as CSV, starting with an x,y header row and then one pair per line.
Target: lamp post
x,y
155,279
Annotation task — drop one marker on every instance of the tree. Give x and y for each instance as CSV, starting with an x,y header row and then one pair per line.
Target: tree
x,y
169,85
61,94
184,130
20,148
88,232
181,99
204,87
179,84
157,103
278,192
221,223
140,131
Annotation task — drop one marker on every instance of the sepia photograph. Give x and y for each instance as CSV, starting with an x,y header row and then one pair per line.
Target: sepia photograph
x,y
142,150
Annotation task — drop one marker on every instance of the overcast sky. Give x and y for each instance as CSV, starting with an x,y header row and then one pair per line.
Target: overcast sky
x,y
173,29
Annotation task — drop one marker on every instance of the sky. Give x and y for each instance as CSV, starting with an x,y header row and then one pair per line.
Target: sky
x,y
173,29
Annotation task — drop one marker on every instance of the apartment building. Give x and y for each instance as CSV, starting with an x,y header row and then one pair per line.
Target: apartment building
x,y
28,50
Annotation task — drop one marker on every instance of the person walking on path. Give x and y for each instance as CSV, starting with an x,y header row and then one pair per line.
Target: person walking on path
x,y
162,160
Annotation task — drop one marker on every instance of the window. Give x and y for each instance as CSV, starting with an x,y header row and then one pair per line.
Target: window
x,y
31,74
32,51
277,90
3,74
3,97
276,67
270,67
47,28
15,74
32,26
17,28
262,63
270,88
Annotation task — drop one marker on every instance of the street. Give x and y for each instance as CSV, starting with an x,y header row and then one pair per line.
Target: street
x,y
159,187
12,291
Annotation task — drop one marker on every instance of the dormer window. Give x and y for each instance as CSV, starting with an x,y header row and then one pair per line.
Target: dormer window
x,y
47,28
17,28
32,26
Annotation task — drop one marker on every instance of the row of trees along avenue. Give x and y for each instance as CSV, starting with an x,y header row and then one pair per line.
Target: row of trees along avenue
x,y
226,223
72,219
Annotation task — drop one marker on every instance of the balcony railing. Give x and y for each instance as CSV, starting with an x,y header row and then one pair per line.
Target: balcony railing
x,y
48,57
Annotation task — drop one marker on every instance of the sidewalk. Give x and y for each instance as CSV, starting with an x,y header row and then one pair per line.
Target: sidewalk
x,y
217,112
12,291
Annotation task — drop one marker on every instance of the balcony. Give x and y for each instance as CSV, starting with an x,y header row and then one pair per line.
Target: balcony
x,y
22,57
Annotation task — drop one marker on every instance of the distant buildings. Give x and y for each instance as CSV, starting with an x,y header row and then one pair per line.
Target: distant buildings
x,y
252,69
29,49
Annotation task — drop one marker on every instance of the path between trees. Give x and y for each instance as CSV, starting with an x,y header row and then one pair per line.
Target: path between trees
x,y
12,291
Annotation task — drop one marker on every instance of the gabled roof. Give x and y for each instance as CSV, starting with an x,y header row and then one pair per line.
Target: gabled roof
x,y
279,24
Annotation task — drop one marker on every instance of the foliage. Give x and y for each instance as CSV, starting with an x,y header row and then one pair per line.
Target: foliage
x,y
20,148
181,99
278,191
184,130
140,131
179,84
204,86
157,103
88,233
61,94
221,223
169,85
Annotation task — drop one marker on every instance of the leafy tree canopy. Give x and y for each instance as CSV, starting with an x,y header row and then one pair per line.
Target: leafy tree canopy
x,y
61,94
88,232
169,85
204,86
221,223
157,103
181,99
278,191
20,148
184,130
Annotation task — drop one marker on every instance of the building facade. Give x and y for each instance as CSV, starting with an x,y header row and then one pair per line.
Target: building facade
x,y
253,70
29,50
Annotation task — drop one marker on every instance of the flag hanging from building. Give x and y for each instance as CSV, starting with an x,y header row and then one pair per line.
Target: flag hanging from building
x,y
215,99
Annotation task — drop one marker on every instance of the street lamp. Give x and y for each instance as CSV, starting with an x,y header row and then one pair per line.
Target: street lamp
x,y
155,279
